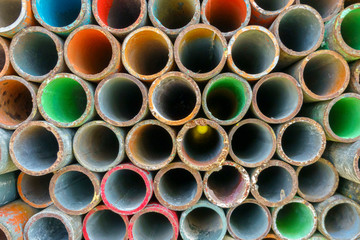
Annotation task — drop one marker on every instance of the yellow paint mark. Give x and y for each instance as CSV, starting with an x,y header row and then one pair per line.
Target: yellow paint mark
x,y
202,129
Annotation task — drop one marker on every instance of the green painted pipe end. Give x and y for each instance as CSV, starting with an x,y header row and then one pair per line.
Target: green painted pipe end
x,y
350,28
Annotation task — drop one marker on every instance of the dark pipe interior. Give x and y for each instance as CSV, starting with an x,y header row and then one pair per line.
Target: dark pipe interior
x,y
2,235
36,148
106,225
9,11
174,99
275,183
277,98
36,188
252,143
74,190
300,30
125,189
203,147
151,144
153,226
35,53
227,184
316,180
2,58
253,51
119,14
97,145
249,221
120,99
174,14
201,50
48,228
178,187
273,5
324,7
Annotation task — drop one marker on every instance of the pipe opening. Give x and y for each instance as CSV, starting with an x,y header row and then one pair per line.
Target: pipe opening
x,y
203,147
119,14
350,29
64,100
3,58
271,5
253,51
300,30
36,189
317,180
67,11
275,183
203,223
302,141
151,144
295,220
174,14
16,102
227,184
74,190
97,145
343,220
48,228
201,50
9,12
35,53
152,226
324,74
277,98
252,143
36,148
105,225
94,61
249,221
147,52
174,98
120,99
324,7
344,117
178,187
2,235
227,15
125,189
226,98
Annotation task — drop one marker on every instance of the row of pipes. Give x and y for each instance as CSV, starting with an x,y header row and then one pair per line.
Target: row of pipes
x,y
123,130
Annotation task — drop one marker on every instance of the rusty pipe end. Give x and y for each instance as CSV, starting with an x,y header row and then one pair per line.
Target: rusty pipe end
x,y
200,51
104,58
101,222
327,8
18,102
227,185
120,17
154,216
5,64
274,183
121,100
277,98
151,144
252,143
253,52
99,146
38,148
226,98
147,53
297,212
66,100
174,16
34,190
300,141
174,98
227,16
249,220
202,144
75,190
354,85
318,181
134,189
178,186
37,54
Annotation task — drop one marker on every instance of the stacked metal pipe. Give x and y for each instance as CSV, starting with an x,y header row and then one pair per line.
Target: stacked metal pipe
x,y
179,119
